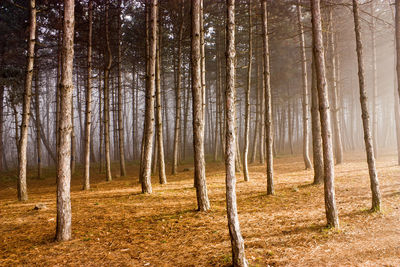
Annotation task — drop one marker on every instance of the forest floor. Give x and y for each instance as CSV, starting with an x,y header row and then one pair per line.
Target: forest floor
x,y
115,225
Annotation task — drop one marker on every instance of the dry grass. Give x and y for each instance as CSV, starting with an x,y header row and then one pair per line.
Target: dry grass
x,y
115,225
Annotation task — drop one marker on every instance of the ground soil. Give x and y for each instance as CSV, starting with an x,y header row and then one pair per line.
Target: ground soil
x,y
115,225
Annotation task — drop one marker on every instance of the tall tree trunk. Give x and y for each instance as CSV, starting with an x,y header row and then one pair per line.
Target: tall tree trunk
x,y
397,23
1,126
148,132
268,103
101,119
306,128
73,138
121,139
63,232
329,172
376,195
198,118
38,124
178,94
88,113
107,68
374,84
334,90
318,157
247,105
237,242
23,142
160,138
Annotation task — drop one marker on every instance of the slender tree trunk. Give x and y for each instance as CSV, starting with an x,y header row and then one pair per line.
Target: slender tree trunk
x,y
237,242
198,117
329,172
334,90
2,158
63,232
38,124
397,23
107,68
121,139
247,111
376,195
148,132
73,138
160,138
101,119
306,128
318,158
290,125
268,103
178,95
88,113
23,142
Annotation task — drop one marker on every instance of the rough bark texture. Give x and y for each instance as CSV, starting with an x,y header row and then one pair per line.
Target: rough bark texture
x,y
160,138
63,232
107,68
178,95
88,112
121,138
148,132
23,141
318,158
306,128
376,195
198,118
268,103
237,242
326,132
247,104
1,125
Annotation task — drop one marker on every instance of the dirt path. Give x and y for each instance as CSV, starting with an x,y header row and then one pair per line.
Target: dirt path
x,y
115,225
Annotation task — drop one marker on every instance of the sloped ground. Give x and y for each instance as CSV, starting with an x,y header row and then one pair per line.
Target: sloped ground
x,y
115,225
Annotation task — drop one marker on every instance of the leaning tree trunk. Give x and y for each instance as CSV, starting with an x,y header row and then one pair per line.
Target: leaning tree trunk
x,y
121,139
376,195
268,103
237,242
63,232
318,157
178,95
326,132
148,130
197,103
306,128
247,105
88,113
107,99
159,136
23,142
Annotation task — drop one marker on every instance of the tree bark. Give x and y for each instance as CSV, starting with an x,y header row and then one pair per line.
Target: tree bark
x,y
107,68
38,124
318,157
63,232
397,23
247,105
306,128
178,95
268,103
237,242
88,113
148,132
23,141
197,103
329,172
376,195
1,126
160,138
